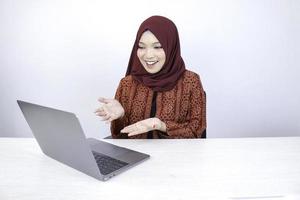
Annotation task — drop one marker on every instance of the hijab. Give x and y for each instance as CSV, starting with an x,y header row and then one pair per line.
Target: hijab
x,y
166,32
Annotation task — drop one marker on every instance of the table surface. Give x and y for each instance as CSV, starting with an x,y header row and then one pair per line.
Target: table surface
x,y
227,168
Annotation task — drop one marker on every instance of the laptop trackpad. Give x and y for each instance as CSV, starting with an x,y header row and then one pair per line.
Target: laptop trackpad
x,y
106,148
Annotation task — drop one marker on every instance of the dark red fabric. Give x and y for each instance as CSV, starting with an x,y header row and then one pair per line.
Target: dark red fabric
x,y
166,32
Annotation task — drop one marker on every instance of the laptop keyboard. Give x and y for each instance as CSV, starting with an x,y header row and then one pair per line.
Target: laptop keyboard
x,y
107,164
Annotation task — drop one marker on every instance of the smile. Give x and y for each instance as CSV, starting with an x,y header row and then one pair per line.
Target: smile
x,y
151,62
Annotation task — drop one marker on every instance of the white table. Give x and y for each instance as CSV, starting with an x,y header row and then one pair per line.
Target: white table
x,y
242,168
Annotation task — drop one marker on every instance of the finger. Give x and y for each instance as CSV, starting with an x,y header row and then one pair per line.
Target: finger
x,y
98,110
129,128
104,118
101,113
135,133
103,100
109,120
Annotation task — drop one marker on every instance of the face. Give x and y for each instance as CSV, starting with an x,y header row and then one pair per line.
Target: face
x,y
150,52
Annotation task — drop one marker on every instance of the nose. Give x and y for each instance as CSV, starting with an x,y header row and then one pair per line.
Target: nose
x,y
149,53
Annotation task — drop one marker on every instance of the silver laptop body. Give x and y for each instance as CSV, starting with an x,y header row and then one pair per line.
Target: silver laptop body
x,y
61,137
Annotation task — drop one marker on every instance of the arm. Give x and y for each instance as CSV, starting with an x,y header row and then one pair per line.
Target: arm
x,y
195,122
118,124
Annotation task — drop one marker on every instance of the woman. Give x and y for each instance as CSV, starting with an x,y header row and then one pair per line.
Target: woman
x,y
158,98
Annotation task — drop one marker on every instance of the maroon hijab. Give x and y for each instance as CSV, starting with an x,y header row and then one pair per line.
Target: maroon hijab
x,y
166,32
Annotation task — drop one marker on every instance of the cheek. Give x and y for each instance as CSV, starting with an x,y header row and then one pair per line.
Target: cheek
x,y
139,54
162,56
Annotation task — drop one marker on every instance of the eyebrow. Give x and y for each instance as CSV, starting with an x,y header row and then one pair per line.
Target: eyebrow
x,y
152,43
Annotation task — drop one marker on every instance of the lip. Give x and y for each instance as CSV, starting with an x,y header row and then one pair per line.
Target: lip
x,y
151,63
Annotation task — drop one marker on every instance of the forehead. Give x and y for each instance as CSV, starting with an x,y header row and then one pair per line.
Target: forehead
x,y
148,37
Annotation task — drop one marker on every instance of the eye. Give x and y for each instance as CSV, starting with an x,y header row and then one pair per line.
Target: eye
x,y
140,47
158,47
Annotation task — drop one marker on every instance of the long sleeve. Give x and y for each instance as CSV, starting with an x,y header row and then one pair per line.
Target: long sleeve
x,y
182,108
195,122
118,124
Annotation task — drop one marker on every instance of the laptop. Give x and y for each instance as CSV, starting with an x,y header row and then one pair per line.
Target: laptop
x,y
61,137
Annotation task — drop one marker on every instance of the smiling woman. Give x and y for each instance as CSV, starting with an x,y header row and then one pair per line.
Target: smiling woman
x,y
158,97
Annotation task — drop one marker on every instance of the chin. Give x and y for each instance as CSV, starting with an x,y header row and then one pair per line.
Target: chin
x,y
152,71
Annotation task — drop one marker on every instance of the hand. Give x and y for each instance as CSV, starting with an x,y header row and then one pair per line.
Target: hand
x,y
110,110
144,126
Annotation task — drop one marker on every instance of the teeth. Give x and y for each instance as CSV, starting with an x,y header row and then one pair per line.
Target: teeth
x,y
150,62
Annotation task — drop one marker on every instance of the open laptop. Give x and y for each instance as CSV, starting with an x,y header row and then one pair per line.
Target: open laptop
x,y
61,137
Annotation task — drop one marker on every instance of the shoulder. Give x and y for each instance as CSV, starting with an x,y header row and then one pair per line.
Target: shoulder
x,y
191,77
127,81
191,81
128,78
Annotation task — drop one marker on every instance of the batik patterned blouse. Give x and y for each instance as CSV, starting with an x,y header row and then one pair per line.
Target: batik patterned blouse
x,y
182,109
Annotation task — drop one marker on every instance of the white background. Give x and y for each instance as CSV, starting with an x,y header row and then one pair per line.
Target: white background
x,y
66,54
